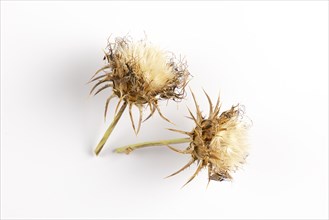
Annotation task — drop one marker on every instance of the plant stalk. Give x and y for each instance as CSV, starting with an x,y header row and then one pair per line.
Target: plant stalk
x,y
110,129
129,148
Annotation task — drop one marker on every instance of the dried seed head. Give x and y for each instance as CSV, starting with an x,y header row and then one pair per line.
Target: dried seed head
x,y
146,62
140,73
218,142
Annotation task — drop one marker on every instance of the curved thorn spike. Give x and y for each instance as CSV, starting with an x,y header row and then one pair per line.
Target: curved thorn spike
x,y
198,112
194,119
194,175
131,117
179,131
162,116
117,107
216,112
208,183
140,108
98,77
101,69
97,84
217,107
210,103
179,151
107,104
181,169
152,109
101,89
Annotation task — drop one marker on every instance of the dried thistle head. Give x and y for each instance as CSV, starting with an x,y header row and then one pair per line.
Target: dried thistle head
x,y
218,142
140,73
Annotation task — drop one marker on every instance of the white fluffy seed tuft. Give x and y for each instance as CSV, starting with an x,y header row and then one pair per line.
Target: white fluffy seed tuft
x,y
152,63
231,145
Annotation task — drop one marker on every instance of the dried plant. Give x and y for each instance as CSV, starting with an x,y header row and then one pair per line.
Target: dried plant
x,y
139,74
217,142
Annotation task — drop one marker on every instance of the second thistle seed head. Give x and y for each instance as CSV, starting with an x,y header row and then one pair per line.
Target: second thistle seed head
x,y
218,142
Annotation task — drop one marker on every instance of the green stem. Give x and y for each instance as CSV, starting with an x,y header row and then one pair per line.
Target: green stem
x,y
129,148
110,129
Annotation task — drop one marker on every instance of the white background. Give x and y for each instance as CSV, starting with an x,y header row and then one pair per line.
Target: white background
x,y
270,56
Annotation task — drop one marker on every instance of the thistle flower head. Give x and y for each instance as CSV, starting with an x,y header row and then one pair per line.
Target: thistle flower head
x,y
147,62
218,142
140,73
